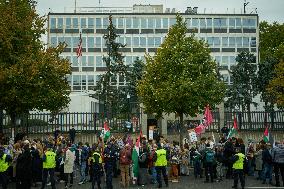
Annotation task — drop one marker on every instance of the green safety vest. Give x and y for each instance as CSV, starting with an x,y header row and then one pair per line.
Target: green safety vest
x,y
239,164
161,158
49,162
100,157
3,164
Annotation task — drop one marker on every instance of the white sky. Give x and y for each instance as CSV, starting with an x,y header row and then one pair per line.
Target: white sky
x,y
270,10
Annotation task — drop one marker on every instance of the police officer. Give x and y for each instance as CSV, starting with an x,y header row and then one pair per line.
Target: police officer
x,y
109,158
97,168
49,164
238,167
160,159
5,161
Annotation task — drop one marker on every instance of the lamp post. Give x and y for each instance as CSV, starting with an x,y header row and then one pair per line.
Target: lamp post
x,y
240,114
128,102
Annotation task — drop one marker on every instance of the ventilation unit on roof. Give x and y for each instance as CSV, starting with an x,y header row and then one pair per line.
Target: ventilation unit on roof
x,y
168,10
173,10
188,10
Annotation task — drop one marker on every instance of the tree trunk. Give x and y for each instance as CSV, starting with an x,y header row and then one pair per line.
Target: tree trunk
x,y
1,120
249,116
272,113
181,127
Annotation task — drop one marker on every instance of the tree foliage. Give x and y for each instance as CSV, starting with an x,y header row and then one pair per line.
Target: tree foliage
x,y
243,89
31,77
181,78
107,90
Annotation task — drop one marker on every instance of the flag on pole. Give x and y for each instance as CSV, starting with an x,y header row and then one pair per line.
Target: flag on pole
x,y
234,129
266,135
208,116
79,48
199,129
106,131
135,155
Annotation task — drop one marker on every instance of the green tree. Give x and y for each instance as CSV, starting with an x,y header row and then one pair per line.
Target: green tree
x,y
181,78
31,77
106,90
243,89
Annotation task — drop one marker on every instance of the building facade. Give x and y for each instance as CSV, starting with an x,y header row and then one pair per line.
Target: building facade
x,y
143,32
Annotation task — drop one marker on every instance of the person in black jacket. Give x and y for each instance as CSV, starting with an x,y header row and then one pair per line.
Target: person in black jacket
x,y
143,161
24,169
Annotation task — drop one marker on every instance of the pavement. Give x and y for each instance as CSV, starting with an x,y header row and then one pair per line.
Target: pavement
x,y
186,182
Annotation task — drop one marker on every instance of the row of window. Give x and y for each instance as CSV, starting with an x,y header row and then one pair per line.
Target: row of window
x,y
98,42
158,23
92,61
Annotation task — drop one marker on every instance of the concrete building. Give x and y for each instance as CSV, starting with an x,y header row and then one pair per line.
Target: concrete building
x,y
143,28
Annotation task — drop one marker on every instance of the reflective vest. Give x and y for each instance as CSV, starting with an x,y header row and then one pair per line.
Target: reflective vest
x,y
239,164
161,158
100,157
49,162
3,164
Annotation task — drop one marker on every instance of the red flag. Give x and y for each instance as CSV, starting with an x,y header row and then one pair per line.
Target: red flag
x,y
208,116
199,129
79,48
139,139
235,123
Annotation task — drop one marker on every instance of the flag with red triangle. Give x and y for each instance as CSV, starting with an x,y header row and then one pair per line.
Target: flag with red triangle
x,y
135,155
266,135
234,129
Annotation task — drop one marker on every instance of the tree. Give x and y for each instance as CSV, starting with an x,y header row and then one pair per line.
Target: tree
x,y
106,89
243,89
31,77
181,78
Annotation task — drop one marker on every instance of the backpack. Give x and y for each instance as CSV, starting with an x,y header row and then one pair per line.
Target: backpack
x,y
209,157
123,159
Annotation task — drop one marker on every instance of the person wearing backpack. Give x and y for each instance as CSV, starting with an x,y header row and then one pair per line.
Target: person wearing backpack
x,y
125,161
96,167
209,160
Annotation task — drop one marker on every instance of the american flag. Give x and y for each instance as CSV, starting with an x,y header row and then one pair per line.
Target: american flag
x,y
79,48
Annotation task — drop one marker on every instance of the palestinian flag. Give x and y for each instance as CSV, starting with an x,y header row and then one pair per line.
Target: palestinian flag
x,y
234,129
266,135
135,155
106,131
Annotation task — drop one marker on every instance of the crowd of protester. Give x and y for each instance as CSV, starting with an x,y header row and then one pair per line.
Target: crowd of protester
x,y
58,159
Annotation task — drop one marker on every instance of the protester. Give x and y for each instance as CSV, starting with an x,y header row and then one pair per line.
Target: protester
x,y
161,161
4,165
97,167
238,166
109,158
24,169
125,161
267,164
209,160
72,135
49,164
69,165
278,162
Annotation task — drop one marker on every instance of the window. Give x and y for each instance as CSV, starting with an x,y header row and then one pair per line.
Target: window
x,y
202,23
128,23
84,40
53,41
249,23
105,22
151,22
209,22
238,23
68,23
151,42
220,23
98,42
210,41
232,42
90,23
253,42
128,60
232,60
91,42
98,78
75,41
120,23
158,41
136,22
60,23
52,23
83,23
232,22
225,61
158,23
68,42
84,61
74,61
225,41
239,41
218,59
69,58
136,41
121,40
84,80
195,23
143,23
188,22
165,23
217,41
225,78
76,80
172,21
128,41
98,23
91,80
142,41
246,41
60,39
75,23
99,61
91,61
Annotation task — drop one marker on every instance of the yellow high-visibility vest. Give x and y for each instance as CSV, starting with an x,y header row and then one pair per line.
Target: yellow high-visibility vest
x,y
161,158
3,164
239,164
50,162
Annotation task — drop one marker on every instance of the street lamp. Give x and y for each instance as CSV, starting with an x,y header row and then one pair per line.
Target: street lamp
x,y
128,101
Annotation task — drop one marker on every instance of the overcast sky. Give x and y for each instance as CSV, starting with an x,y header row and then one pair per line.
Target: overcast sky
x,y
270,10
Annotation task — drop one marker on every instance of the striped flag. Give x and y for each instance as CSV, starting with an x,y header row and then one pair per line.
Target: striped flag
x,y
234,129
79,48
135,155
